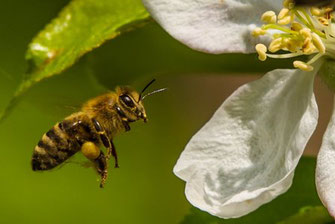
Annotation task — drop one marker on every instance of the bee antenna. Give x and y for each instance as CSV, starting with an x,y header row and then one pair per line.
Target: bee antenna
x,y
153,92
140,97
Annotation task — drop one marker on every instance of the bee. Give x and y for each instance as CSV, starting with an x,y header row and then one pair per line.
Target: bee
x,y
96,124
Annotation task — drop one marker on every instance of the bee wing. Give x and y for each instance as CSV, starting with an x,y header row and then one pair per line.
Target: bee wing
x,y
62,97
73,160
83,163
246,153
55,105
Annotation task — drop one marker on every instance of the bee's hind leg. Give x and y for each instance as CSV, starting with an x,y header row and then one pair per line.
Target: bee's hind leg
x,y
101,165
91,151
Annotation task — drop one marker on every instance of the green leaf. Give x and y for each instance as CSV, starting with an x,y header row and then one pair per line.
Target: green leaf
x,y
310,215
300,195
80,27
327,73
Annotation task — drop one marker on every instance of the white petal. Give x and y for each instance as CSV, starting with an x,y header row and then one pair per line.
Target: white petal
x,y
325,168
246,154
214,26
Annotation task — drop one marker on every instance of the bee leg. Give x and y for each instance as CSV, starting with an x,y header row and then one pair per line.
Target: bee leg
x,y
107,142
114,155
101,166
111,151
104,138
91,151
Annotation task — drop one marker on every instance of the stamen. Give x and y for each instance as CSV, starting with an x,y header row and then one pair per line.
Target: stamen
x,y
286,20
285,17
308,18
296,26
302,19
258,32
324,21
303,66
288,4
302,31
276,45
282,56
318,43
306,33
315,11
315,58
269,17
261,50
277,27
283,13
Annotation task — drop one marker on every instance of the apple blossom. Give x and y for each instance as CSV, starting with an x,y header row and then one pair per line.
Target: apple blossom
x,y
246,154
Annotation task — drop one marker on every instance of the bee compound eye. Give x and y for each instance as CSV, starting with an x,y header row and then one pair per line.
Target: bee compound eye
x,y
127,100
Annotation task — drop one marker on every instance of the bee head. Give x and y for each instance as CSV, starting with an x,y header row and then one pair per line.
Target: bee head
x,y
128,102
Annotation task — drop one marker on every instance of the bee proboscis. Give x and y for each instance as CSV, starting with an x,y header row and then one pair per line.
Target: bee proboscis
x,y
96,124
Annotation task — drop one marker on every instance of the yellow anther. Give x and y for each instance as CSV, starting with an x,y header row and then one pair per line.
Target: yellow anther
x,y
308,47
285,17
315,11
327,9
296,26
323,21
275,45
291,44
306,33
309,35
283,13
258,32
261,50
318,43
90,150
303,66
286,20
269,17
288,4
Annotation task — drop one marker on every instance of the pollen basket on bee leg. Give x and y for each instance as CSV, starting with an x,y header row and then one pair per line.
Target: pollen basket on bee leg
x,y
90,150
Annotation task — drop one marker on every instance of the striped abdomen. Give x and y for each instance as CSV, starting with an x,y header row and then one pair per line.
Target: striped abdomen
x,y
62,141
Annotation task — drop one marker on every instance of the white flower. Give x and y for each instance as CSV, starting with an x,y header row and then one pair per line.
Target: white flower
x,y
246,154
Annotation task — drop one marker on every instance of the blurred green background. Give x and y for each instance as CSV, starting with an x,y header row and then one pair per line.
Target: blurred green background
x,y
144,189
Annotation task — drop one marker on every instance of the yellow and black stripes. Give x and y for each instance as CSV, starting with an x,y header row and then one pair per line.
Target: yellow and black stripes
x,y
62,141
53,149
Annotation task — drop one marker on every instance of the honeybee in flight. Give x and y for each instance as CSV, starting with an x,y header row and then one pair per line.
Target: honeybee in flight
x,y
98,122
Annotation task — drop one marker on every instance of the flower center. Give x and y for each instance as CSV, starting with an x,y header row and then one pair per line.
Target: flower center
x,y
302,31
